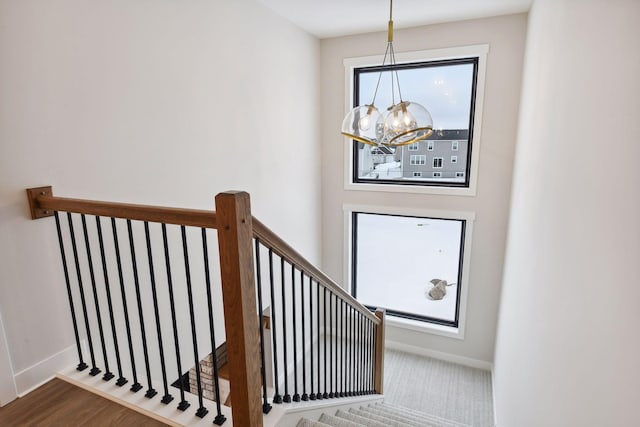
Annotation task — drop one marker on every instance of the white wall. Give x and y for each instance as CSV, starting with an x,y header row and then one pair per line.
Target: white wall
x,y
505,36
568,344
152,101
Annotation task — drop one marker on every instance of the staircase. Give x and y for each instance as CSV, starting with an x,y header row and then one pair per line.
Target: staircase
x,y
146,280
379,415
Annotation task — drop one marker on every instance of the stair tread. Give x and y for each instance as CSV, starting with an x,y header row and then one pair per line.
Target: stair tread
x,y
358,419
337,422
417,415
306,422
388,420
379,414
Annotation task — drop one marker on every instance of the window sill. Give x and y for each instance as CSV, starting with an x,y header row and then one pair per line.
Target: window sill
x,y
425,327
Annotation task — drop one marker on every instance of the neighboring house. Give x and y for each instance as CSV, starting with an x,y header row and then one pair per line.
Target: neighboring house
x,y
442,156
382,154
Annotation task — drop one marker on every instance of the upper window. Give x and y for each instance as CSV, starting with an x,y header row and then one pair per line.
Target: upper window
x,y
437,162
413,147
447,88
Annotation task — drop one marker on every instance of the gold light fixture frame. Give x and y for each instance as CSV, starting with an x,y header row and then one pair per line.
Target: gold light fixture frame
x,y
404,123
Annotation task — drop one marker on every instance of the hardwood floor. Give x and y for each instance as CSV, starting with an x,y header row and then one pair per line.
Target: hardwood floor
x,y
58,404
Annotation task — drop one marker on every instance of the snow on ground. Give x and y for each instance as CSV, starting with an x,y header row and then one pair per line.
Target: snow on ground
x,y
398,256
386,171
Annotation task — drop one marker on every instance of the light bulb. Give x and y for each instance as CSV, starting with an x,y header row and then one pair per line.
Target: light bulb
x,y
395,123
409,120
365,122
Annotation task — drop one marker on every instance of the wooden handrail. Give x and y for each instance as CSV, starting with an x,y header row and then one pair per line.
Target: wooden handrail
x,y
283,249
43,203
178,216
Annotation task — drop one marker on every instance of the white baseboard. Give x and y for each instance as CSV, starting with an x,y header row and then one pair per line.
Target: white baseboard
x,y
460,360
38,374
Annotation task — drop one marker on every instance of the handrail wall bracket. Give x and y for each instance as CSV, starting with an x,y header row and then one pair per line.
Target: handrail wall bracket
x,y
33,194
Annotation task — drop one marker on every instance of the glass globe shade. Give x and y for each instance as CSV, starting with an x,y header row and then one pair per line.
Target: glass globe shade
x,y
406,123
363,124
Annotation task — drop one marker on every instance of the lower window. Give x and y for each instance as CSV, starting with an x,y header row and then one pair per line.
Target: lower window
x,y
409,265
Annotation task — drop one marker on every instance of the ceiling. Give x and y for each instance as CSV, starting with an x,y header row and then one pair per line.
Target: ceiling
x,y
332,18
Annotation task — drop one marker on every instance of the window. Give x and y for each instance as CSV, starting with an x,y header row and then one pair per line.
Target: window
x,y
454,159
431,248
418,159
447,88
437,175
459,174
437,162
417,174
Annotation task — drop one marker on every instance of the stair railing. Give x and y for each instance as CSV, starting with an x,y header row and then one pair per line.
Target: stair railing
x,y
318,339
324,344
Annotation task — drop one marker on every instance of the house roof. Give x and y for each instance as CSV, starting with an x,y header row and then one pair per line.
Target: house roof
x,y
448,134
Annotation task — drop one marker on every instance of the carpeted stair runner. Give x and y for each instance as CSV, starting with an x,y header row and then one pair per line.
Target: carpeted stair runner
x,y
379,415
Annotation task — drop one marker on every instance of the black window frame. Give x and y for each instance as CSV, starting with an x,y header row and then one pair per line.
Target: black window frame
x,y
398,313
356,146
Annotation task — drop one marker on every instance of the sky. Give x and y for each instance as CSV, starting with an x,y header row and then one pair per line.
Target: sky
x,y
443,90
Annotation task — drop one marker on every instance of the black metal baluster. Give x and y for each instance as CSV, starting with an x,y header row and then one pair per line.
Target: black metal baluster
x,y
107,289
305,396
108,374
349,351
325,395
312,395
266,407
287,397
347,335
136,386
219,419
318,395
362,354
296,396
183,403
337,387
375,357
371,353
81,365
366,356
152,276
346,349
202,411
94,370
347,341
361,382
331,394
357,355
353,352
150,390
339,355
277,398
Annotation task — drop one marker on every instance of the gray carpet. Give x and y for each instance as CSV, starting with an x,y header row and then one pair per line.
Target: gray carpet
x,y
378,415
443,389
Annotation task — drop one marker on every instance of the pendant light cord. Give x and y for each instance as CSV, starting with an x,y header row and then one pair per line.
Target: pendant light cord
x,y
389,52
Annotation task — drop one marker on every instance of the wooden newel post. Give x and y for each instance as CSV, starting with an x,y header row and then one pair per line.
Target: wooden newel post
x,y
378,378
235,232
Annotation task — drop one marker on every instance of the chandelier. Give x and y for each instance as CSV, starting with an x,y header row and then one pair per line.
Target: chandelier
x,y
403,123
